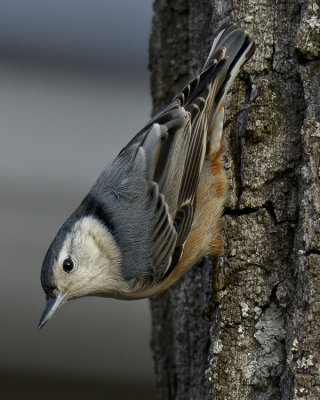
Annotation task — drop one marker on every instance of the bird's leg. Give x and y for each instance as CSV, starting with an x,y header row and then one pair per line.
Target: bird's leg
x,y
219,283
232,119
252,103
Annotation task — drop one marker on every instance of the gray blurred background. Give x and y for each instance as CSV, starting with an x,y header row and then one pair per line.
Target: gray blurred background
x,y
74,88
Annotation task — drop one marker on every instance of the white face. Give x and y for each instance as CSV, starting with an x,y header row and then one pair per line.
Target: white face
x,y
88,262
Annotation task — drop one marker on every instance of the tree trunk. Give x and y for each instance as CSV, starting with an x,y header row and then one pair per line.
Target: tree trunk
x,y
263,341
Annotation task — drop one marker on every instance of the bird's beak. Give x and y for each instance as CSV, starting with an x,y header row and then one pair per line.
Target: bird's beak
x,y
52,305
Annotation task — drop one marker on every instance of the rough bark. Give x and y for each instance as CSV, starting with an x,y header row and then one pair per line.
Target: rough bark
x,y
263,341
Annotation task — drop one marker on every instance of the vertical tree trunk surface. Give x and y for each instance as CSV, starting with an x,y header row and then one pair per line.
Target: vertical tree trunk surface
x,y
263,341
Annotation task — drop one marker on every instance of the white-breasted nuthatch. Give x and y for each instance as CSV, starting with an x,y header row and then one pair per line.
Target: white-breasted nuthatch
x,y
155,210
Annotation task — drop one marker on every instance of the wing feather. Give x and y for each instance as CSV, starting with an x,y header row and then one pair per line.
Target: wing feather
x,y
171,148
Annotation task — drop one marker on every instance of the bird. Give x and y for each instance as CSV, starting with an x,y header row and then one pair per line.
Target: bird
x,y
155,210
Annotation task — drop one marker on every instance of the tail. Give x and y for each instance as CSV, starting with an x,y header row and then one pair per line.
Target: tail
x,y
231,48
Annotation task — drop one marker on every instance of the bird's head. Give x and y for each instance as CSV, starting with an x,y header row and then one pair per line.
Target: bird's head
x,y
83,260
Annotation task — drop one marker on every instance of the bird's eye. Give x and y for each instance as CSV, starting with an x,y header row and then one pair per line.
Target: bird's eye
x,y
67,265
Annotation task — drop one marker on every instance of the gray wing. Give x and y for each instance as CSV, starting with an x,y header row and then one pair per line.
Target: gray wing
x,y
170,150
169,153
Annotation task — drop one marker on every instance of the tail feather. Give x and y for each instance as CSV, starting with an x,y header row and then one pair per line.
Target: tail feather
x,y
235,46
